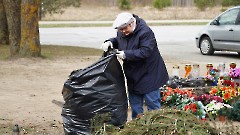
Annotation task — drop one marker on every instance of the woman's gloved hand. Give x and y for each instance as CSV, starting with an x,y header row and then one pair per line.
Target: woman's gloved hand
x,y
121,54
106,45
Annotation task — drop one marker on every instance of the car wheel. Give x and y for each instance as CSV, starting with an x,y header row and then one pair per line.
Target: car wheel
x,y
206,47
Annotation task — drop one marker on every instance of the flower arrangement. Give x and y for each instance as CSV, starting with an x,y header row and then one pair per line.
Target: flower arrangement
x,y
207,98
213,107
226,92
209,79
228,82
196,108
177,98
234,72
212,79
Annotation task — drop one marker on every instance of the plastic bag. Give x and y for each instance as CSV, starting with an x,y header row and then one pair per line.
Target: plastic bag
x,y
97,89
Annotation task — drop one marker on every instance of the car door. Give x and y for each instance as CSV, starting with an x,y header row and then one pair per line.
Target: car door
x,y
223,33
237,34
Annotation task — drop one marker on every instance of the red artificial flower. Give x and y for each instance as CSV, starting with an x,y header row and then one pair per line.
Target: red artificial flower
x,y
232,84
186,107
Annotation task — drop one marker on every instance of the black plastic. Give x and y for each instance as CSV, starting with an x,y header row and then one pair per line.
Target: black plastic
x,y
97,89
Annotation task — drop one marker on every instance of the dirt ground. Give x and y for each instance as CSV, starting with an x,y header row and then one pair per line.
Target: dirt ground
x,y
31,91
28,87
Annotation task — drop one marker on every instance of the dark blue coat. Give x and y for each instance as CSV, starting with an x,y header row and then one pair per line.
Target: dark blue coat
x,y
144,67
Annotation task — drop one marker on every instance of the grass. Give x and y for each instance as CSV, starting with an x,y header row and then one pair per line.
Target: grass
x,y
54,51
4,52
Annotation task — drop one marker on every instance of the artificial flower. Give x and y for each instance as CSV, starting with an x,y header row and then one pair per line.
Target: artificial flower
x,y
213,107
196,108
207,98
226,92
234,72
177,98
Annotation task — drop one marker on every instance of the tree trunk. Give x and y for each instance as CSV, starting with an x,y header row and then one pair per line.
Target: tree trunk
x,y
30,43
3,25
12,8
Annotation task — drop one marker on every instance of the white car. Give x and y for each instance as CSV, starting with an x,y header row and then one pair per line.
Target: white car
x,y
221,34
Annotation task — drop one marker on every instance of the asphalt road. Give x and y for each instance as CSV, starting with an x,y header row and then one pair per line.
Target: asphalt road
x,y
94,36
177,42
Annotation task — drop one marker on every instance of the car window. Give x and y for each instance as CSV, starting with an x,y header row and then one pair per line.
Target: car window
x,y
238,19
229,18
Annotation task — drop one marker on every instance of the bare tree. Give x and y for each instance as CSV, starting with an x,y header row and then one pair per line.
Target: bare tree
x,y
3,25
30,43
12,8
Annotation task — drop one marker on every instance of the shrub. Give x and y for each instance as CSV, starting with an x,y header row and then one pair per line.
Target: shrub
x,y
124,4
160,4
234,113
203,4
228,3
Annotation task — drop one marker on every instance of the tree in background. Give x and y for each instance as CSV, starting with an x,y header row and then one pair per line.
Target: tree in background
x,y
3,25
19,23
203,4
12,8
56,6
124,4
22,24
160,4
30,43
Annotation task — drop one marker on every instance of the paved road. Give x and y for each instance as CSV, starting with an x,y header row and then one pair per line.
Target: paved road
x,y
177,42
93,36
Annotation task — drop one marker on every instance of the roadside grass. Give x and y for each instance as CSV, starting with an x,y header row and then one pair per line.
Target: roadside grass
x,y
4,52
55,51
110,24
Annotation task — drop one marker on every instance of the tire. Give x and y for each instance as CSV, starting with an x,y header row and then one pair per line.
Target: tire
x,y
206,47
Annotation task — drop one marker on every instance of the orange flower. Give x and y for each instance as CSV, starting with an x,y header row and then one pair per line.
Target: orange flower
x,y
194,110
164,98
213,91
169,89
223,88
226,96
181,92
189,93
167,93
176,90
233,92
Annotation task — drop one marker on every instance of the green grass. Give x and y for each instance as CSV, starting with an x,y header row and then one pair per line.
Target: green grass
x,y
4,52
54,51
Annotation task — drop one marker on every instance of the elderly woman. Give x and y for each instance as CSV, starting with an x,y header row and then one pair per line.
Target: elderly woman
x,y
143,65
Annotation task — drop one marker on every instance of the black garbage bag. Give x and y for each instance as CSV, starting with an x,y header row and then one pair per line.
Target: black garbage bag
x,y
97,89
